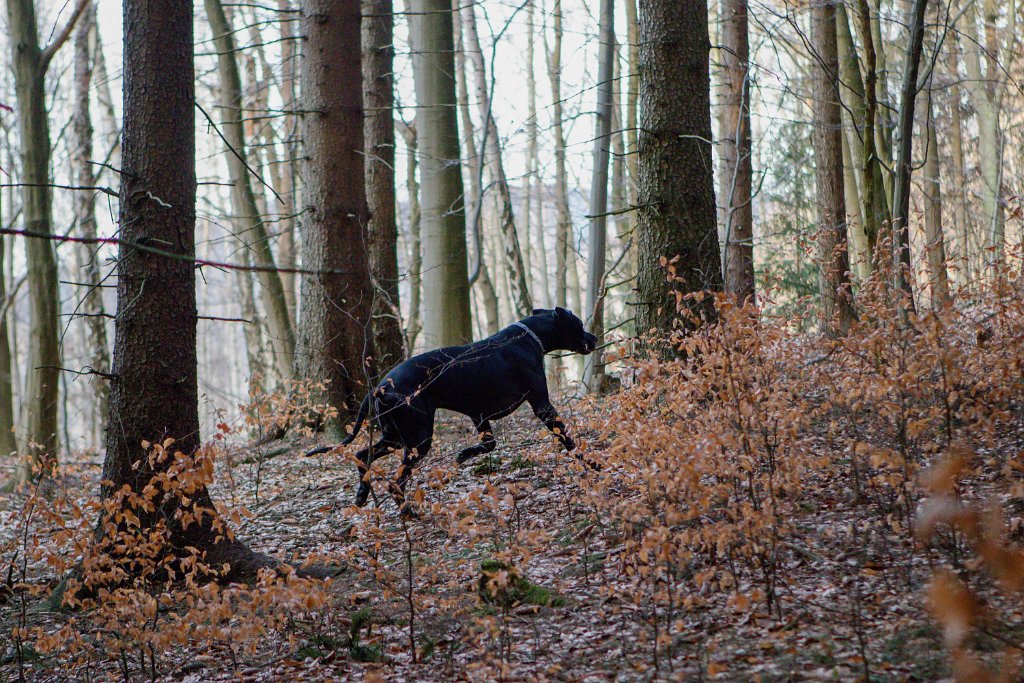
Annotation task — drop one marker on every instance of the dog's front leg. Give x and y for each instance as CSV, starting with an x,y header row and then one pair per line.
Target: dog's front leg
x,y
547,414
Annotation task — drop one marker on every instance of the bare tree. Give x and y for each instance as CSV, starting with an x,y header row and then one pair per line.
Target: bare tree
x,y
735,190
379,134
31,62
445,271
594,315
836,306
493,159
247,214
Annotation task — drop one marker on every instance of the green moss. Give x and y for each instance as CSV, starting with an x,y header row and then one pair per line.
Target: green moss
x,y
517,591
489,464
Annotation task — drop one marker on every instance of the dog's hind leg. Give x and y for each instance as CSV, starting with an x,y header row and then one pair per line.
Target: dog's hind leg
x,y
486,445
411,458
365,458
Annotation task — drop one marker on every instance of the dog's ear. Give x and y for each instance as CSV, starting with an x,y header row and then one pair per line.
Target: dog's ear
x,y
559,312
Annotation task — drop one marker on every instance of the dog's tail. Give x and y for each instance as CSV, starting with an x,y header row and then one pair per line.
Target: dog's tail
x,y
364,408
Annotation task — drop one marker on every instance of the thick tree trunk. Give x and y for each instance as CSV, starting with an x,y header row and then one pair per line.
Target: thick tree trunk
x,y
247,216
735,149
836,305
677,222
379,132
335,335
154,390
445,273
594,314
492,157
85,216
39,411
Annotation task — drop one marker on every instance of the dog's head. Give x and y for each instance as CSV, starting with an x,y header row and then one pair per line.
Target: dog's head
x,y
561,330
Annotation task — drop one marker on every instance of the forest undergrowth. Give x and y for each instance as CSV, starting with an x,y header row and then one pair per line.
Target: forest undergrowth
x,y
774,506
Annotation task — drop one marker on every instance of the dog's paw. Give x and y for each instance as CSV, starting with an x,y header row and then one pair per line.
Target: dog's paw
x,y
568,444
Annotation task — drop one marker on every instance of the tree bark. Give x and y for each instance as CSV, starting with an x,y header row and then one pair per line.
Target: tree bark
x,y
904,159
379,133
39,419
415,251
935,244
492,158
735,149
956,144
445,272
8,442
563,222
154,390
872,182
480,273
594,314
289,185
677,223
836,305
85,216
335,335
247,216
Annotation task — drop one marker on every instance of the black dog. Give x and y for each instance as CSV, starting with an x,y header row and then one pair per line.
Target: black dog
x,y
486,380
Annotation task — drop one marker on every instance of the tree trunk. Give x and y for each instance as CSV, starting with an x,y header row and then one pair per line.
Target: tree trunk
x,y
735,150
492,149
39,418
956,144
836,306
288,189
154,390
480,271
632,93
531,193
445,273
335,317
563,222
872,183
85,217
415,252
594,314
379,132
904,159
8,443
677,222
247,216
861,254
935,244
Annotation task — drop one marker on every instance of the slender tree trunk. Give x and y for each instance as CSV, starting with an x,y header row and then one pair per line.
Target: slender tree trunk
x,y
530,193
506,220
956,144
85,216
836,306
154,390
288,190
379,131
243,200
474,197
871,173
594,314
861,253
39,420
415,253
563,230
334,328
935,245
632,93
445,273
8,442
735,149
677,222
904,160
620,194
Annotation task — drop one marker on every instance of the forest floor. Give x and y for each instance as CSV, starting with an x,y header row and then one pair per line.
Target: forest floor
x,y
849,602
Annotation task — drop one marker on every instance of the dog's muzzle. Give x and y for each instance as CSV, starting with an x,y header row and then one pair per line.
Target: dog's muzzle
x,y
589,344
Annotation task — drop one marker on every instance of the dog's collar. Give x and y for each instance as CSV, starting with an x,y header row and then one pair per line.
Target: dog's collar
x,y
532,334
